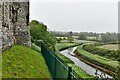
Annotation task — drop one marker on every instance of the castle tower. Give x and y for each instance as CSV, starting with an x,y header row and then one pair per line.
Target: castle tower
x,y
15,24
0,27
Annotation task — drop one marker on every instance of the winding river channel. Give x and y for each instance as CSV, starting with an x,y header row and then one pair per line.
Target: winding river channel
x,y
89,69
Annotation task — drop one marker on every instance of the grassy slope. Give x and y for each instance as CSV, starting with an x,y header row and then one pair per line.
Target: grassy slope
x,y
79,71
97,58
23,62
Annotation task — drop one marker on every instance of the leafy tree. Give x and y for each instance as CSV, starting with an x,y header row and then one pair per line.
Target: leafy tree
x,y
70,38
64,38
70,33
39,31
59,39
109,37
118,37
82,37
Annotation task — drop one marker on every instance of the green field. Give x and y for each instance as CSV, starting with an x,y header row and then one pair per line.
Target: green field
x,y
84,41
24,62
88,37
97,59
110,46
80,41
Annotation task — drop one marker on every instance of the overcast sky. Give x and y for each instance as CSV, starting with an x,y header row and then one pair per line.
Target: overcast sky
x,y
76,15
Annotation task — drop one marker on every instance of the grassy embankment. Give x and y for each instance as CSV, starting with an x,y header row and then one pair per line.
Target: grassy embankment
x,y
23,62
61,46
96,59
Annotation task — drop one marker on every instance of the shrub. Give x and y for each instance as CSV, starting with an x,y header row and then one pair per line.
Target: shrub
x,y
114,54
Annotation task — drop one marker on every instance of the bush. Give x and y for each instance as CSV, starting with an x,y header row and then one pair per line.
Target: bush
x,y
112,54
39,31
82,37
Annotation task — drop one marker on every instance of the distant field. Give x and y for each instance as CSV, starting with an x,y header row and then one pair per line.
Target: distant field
x,y
84,41
91,37
80,41
110,46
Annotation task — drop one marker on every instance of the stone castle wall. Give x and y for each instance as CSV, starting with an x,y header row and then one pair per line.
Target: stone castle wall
x,y
0,28
15,24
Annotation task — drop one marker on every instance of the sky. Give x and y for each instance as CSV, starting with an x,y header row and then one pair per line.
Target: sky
x,y
76,15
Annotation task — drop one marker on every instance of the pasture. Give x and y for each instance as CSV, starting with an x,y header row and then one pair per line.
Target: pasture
x,y
110,46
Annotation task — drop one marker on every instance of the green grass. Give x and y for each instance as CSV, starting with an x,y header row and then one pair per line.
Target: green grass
x,y
85,41
35,47
89,37
97,58
109,46
23,62
78,70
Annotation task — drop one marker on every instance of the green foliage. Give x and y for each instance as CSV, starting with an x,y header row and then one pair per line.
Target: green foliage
x,y
118,71
23,62
82,37
70,38
59,39
36,29
64,38
109,37
70,33
111,54
83,74
110,46
39,31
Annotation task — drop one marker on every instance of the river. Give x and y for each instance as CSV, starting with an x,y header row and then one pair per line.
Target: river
x,y
89,69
